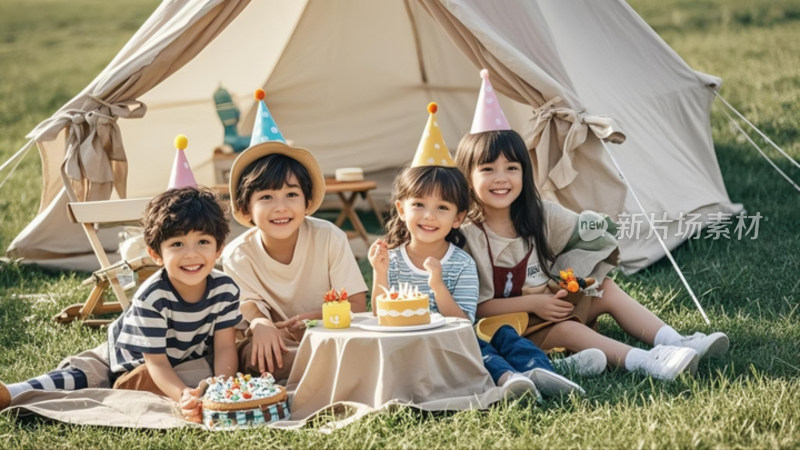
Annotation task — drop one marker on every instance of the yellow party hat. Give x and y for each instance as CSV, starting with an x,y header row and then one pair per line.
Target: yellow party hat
x,y
432,151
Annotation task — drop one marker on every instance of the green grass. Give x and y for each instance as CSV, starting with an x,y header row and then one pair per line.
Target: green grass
x,y
748,287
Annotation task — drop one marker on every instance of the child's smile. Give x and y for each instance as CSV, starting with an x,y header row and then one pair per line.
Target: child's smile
x,y
188,259
278,213
498,183
192,269
429,219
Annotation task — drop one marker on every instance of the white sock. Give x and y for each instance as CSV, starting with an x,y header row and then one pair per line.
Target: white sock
x,y
635,359
667,335
18,388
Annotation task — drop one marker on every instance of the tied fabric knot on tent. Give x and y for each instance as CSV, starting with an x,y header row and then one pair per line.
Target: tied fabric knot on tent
x,y
95,157
571,128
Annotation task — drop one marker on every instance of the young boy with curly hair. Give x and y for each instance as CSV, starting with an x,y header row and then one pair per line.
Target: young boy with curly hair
x,y
179,328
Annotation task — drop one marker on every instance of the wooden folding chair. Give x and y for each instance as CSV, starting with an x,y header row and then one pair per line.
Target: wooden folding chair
x,y
92,216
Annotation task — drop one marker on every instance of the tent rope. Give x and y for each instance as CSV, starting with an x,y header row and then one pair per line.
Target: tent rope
x,y
19,156
766,138
764,155
667,253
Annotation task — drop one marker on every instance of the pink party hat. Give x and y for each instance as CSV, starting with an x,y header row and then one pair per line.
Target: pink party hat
x,y
488,113
182,175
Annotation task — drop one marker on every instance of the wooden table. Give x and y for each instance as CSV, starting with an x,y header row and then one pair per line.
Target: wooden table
x,y
372,368
348,192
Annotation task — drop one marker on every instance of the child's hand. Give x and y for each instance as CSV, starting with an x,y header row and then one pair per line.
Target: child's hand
x,y
552,307
267,346
191,409
293,328
379,256
434,268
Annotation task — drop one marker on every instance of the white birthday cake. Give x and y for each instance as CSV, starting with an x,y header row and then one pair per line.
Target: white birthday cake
x,y
404,306
243,401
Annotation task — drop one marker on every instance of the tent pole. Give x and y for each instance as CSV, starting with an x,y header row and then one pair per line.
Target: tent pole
x,y
667,253
764,155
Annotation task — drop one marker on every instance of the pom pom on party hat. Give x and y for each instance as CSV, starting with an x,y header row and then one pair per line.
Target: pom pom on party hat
x,y
488,113
181,175
432,151
265,129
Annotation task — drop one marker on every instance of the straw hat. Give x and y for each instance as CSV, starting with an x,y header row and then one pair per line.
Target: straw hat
x,y
488,326
263,149
268,140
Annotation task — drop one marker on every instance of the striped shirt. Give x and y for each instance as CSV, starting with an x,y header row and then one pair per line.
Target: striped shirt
x,y
159,321
459,274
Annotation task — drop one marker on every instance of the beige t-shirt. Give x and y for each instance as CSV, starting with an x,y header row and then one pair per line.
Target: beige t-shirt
x,y
322,261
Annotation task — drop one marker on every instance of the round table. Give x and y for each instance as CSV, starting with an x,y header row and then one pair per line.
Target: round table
x,y
374,367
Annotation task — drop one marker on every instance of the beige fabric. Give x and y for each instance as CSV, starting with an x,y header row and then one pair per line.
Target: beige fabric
x,y
93,363
344,373
440,366
104,407
585,258
90,155
322,261
508,42
572,72
191,374
94,154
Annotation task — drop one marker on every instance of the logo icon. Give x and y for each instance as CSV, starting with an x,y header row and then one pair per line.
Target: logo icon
x,y
591,225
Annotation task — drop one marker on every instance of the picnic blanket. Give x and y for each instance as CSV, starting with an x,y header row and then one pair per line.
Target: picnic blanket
x,y
136,409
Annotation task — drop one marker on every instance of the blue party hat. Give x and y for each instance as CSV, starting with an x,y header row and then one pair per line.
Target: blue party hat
x,y
265,129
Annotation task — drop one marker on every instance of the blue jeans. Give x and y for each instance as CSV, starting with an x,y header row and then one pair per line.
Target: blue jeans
x,y
509,351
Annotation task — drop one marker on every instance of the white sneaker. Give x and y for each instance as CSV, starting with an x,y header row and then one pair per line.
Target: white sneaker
x,y
518,385
586,363
666,362
551,384
714,344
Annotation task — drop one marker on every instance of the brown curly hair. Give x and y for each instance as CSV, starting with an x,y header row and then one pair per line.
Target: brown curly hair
x,y
448,183
177,212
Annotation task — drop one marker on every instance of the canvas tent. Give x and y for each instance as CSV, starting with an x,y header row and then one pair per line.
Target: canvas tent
x,y
349,80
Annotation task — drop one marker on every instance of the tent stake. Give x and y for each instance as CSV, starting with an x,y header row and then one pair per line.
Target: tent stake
x,y
667,253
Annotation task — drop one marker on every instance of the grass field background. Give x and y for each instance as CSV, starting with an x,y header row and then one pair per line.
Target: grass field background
x,y
49,50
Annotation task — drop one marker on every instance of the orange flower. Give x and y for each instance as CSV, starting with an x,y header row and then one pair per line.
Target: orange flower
x,y
573,286
568,280
333,296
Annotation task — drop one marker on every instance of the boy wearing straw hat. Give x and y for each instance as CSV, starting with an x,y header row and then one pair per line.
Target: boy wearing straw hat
x,y
287,260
